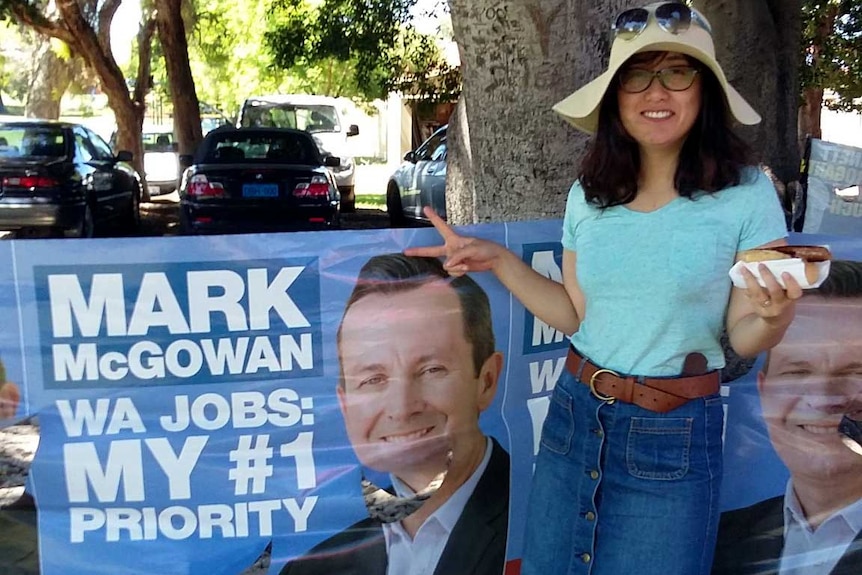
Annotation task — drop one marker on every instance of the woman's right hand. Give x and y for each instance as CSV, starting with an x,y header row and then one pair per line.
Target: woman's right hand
x,y
463,254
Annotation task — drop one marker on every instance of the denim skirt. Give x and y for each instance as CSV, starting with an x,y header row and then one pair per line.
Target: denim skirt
x,y
619,489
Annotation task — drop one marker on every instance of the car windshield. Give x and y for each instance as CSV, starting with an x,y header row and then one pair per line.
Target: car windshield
x,y
262,147
311,118
158,141
29,141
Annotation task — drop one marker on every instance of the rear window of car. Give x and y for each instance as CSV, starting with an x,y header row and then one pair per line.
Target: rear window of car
x,y
267,148
311,118
158,141
30,141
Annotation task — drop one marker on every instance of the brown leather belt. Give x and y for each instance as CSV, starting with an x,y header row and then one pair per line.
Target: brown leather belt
x,y
660,394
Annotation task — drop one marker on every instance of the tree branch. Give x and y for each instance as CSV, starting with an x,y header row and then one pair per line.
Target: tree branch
x,y
145,50
106,16
28,15
88,45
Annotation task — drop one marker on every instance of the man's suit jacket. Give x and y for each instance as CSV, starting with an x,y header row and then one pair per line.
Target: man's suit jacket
x,y
750,541
476,546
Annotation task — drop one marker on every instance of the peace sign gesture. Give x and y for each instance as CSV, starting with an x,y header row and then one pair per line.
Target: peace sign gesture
x,y
463,254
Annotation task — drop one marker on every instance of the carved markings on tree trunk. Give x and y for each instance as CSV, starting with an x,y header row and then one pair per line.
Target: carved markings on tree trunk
x,y
542,22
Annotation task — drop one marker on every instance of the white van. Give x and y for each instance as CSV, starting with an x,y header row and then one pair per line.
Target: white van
x,y
318,115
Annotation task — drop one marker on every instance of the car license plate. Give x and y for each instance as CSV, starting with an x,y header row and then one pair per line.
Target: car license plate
x,y
260,190
154,190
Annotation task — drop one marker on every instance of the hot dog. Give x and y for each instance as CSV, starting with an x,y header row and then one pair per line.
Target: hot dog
x,y
810,255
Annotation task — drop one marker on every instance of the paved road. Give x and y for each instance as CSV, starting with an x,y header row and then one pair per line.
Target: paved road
x,y
160,217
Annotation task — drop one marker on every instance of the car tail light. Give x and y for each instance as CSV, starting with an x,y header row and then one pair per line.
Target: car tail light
x,y
31,182
201,187
318,187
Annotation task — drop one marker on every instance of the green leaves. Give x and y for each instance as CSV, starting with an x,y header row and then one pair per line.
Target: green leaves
x,y
373,42
832,60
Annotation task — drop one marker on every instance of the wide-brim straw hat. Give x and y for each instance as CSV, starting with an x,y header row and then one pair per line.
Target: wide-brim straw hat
x,y
581,108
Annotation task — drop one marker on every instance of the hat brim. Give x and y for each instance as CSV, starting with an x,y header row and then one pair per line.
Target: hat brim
x,y
581,108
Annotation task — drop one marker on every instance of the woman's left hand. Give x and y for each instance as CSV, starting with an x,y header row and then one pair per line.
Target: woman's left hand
x,y
772,303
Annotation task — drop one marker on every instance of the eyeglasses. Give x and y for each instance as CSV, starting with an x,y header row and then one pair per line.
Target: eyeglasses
x,y
672,17
675,79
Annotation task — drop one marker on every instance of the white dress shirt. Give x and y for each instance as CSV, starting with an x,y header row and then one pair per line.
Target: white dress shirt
x,y
810,551
419,555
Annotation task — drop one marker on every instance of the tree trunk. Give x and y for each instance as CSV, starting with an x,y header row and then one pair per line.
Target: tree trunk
x,y
809,115
49,81
518,59
172,35
128,113
92,45
758,45
461,205
812,95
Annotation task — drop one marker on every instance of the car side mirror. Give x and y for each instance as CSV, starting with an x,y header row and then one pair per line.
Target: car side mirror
x,y
353,130
331,161
186,160
410,157
124,156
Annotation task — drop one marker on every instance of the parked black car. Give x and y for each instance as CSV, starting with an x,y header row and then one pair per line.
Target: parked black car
x,y
61,179
419,181
258,179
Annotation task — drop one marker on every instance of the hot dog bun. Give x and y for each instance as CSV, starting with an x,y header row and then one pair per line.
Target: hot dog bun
x,y
762,255
808,254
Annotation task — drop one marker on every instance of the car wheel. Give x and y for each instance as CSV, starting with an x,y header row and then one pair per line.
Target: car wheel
x,y
348,200
393,207
87,229
186,228
132,220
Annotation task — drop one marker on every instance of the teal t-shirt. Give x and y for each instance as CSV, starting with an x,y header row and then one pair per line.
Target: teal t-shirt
x,y
656,284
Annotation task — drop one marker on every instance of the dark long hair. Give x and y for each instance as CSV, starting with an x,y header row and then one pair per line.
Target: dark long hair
x,y
712,156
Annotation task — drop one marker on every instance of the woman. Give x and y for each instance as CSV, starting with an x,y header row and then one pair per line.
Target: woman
x,y
627,476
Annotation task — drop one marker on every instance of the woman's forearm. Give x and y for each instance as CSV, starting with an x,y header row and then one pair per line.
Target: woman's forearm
x,y
753,334
545,298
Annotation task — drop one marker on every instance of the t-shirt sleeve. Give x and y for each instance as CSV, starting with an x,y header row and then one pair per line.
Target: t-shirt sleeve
x,y
764,218
576,211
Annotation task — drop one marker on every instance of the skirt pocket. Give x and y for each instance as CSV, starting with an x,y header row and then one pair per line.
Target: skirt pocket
x,y
659,448
559,426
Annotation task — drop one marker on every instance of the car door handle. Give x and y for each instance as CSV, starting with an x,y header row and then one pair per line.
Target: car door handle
x,y
431,170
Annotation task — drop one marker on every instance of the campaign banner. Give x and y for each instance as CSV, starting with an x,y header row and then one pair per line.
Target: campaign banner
x,y
278,404
833,203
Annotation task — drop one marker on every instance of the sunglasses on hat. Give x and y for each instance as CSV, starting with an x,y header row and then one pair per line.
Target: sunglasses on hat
x,y
672,17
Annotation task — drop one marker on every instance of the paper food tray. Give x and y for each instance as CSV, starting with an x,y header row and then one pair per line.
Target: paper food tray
x,y
794,266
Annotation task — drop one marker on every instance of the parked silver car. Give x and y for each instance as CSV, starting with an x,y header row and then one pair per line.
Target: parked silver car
x,y
418,182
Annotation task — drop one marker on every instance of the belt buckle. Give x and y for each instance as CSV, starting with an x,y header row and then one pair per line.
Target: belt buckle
x,y
609,399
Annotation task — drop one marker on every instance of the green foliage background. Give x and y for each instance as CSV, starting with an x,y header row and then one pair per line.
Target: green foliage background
x,y
832,60
361,49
